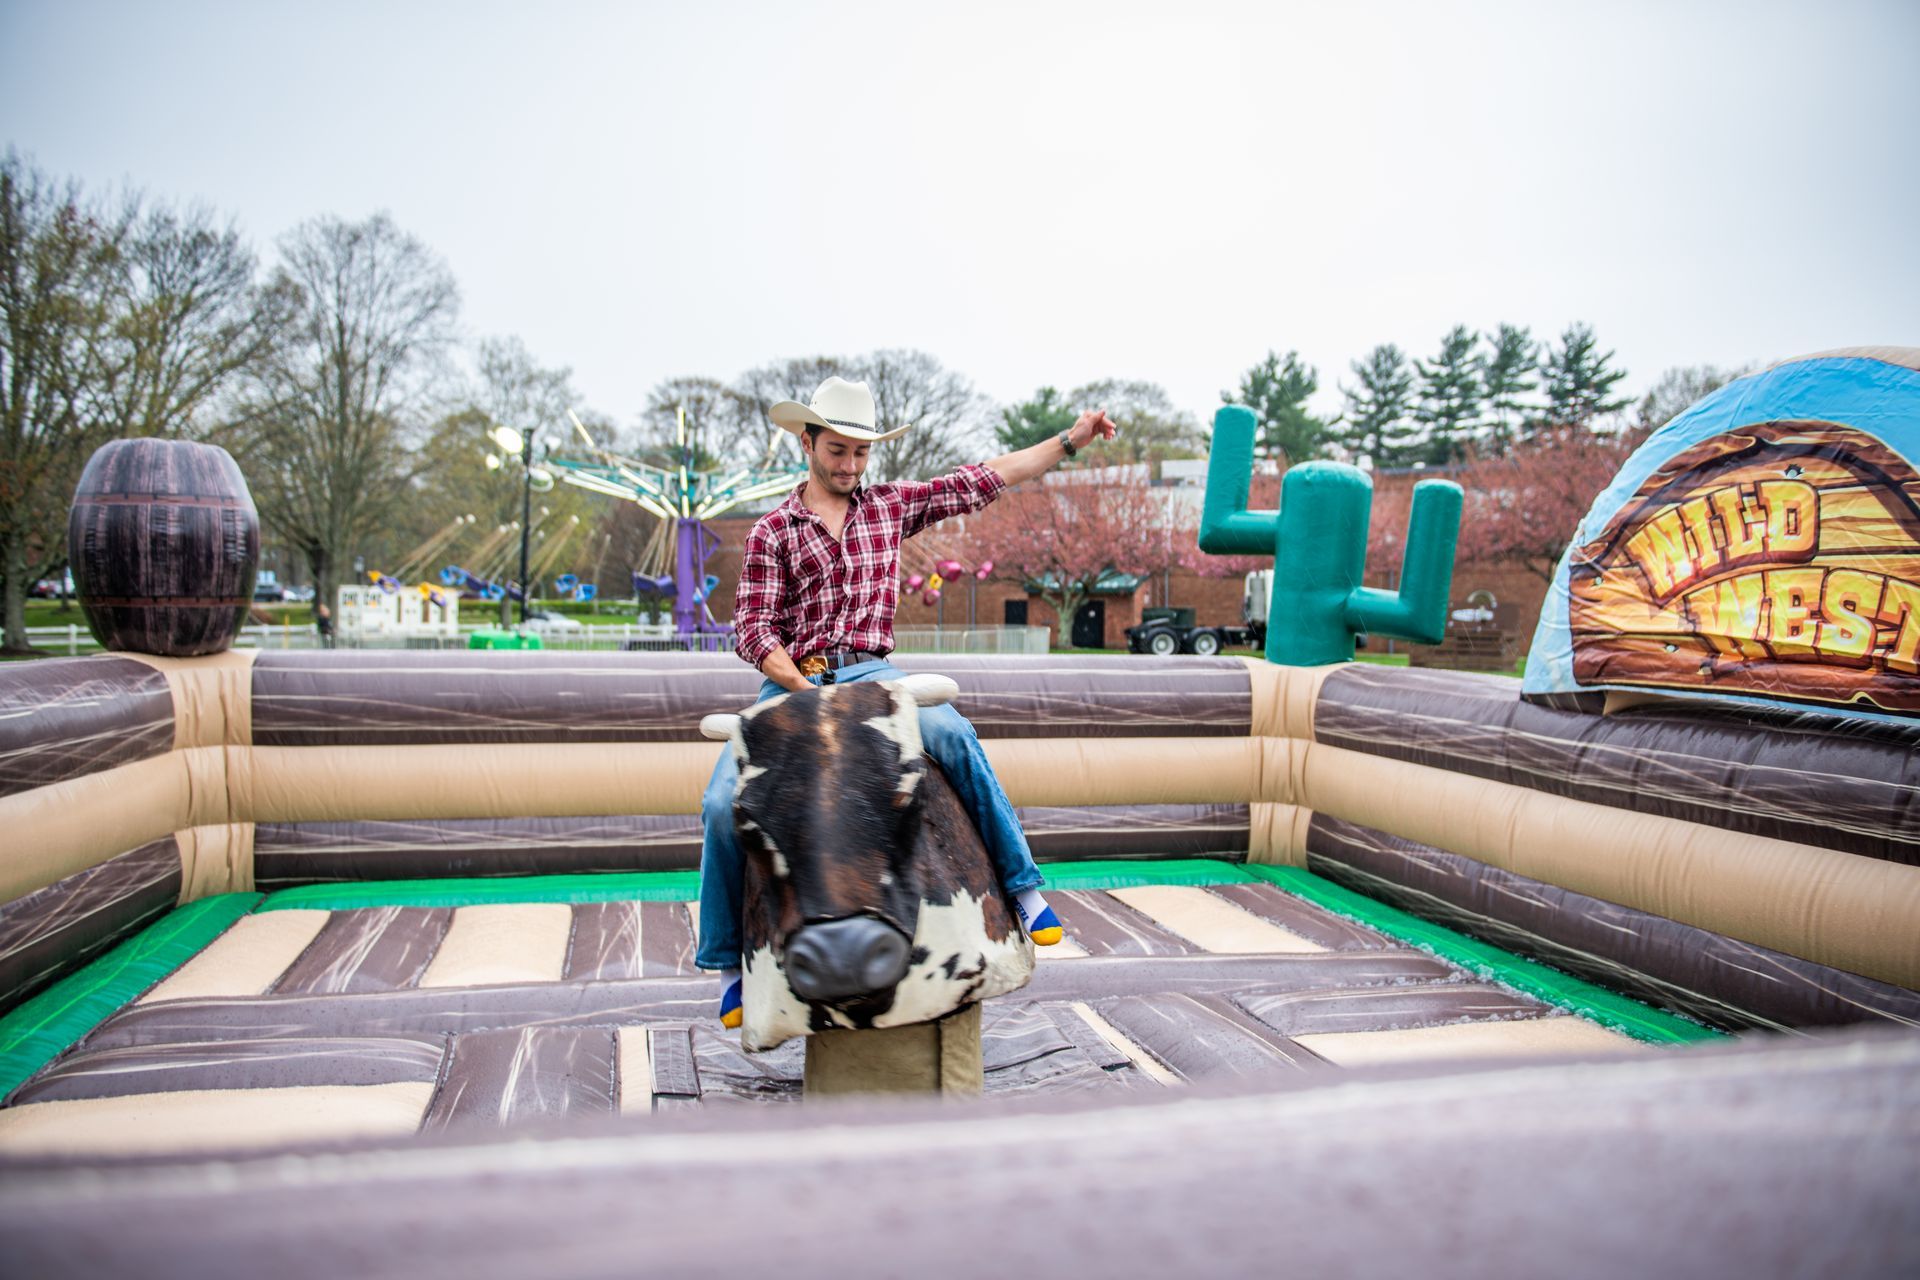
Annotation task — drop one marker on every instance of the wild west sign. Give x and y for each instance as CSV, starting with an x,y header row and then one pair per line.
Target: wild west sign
x,y
1757,548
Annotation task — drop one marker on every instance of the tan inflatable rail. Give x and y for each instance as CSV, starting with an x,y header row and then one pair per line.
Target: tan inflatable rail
x,y
128,785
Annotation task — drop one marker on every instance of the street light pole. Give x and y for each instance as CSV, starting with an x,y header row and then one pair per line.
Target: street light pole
x,y
526,522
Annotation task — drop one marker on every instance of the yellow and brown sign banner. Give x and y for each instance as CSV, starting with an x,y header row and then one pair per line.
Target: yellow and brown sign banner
x,y
1780,559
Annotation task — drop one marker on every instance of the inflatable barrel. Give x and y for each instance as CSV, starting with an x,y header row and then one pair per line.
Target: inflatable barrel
x,y
164,541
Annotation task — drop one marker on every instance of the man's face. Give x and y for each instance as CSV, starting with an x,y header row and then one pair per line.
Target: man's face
x,y
836,461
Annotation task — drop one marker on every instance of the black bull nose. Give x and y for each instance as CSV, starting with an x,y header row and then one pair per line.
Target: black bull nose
x,y
843,958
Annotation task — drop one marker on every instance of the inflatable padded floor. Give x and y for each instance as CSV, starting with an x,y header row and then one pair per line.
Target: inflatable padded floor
x,y
302,1021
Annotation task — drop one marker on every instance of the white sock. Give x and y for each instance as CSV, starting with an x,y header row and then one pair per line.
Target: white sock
x,y
1031,904
727,978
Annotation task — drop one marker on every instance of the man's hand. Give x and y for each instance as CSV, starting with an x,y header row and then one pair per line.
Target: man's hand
x,y
1091,425
780,668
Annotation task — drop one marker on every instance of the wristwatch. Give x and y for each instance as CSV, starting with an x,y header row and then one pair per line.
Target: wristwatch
x,y
1066,442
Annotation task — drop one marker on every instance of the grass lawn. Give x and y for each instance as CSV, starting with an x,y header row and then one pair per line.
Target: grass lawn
x,y
52,613
592,613
1377,659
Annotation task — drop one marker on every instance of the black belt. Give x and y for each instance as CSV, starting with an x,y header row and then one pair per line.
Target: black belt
x,y
825,664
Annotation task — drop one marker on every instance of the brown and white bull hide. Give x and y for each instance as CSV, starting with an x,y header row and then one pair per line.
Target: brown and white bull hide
x,y
839,814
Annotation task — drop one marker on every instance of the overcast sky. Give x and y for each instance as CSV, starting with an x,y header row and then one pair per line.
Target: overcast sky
x,y
1039,193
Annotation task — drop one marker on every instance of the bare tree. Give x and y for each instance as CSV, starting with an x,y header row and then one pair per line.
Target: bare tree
x,y
714,419
1679,389
189,318
757,390
56,266
1151,428
952,422
513,390
326,445
516,391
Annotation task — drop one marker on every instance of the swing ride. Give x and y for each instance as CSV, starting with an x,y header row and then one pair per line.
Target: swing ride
x,y
672,566
682,498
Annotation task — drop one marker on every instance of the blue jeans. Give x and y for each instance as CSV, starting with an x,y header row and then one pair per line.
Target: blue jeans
x,y
948,738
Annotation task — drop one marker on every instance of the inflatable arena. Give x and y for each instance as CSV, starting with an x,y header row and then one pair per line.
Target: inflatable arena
x,y
380,962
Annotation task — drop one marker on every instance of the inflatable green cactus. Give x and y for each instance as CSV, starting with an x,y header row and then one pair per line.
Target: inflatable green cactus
x,y
1318,538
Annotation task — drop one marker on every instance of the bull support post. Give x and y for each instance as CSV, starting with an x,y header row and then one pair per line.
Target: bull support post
x,y
940,1057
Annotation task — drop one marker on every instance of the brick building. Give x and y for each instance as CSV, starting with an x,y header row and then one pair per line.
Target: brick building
x,y
1003,600
1516,589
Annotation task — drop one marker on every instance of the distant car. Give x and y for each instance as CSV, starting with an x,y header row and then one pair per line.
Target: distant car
x,y
547,620
45,589
302,594
269,593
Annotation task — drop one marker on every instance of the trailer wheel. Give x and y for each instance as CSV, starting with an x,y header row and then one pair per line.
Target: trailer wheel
x,y
1205,643
1163,644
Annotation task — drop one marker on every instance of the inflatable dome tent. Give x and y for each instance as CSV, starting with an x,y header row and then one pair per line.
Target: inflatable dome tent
x,y
1764,546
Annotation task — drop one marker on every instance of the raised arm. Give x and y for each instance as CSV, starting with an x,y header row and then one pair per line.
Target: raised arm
x,y
1019,467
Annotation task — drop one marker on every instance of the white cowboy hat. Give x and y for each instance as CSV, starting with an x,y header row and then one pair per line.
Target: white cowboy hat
x,y
839,405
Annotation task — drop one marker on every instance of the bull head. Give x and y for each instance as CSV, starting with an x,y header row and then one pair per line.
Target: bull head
x,y
869,899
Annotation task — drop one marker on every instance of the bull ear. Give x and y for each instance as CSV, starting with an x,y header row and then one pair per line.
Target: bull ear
x,y
719,727
930,690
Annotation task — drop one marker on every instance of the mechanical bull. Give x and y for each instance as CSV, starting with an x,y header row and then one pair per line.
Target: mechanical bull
x,y
869,899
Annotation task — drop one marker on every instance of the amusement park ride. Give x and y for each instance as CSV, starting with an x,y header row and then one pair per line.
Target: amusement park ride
x,y
683,499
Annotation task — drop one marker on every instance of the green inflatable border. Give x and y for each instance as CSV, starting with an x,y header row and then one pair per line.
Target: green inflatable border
x,y
1617,1012
41,1029
1131,873
682,886
1621,1013
623,886
52,1022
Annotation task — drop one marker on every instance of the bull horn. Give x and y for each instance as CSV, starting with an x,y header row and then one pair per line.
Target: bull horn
x,y
930,690
720,727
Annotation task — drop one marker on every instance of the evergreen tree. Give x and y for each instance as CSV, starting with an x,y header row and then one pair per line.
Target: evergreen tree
x,y
1377,422
1505,378
1450,398
1276,390
1028,423
1578,380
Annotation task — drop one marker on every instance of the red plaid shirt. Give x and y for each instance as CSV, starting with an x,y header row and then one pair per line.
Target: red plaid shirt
x,y
800,588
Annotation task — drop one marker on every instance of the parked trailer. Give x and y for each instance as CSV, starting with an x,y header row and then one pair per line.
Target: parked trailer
x,y
1169,631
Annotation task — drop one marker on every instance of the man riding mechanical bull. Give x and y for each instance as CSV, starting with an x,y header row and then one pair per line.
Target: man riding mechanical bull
x,y
819,584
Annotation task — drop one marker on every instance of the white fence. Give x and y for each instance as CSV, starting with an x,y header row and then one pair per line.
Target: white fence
x,y
76,639
970,639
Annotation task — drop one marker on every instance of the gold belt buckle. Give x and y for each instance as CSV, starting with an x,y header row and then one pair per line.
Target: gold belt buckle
x,y
813,666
